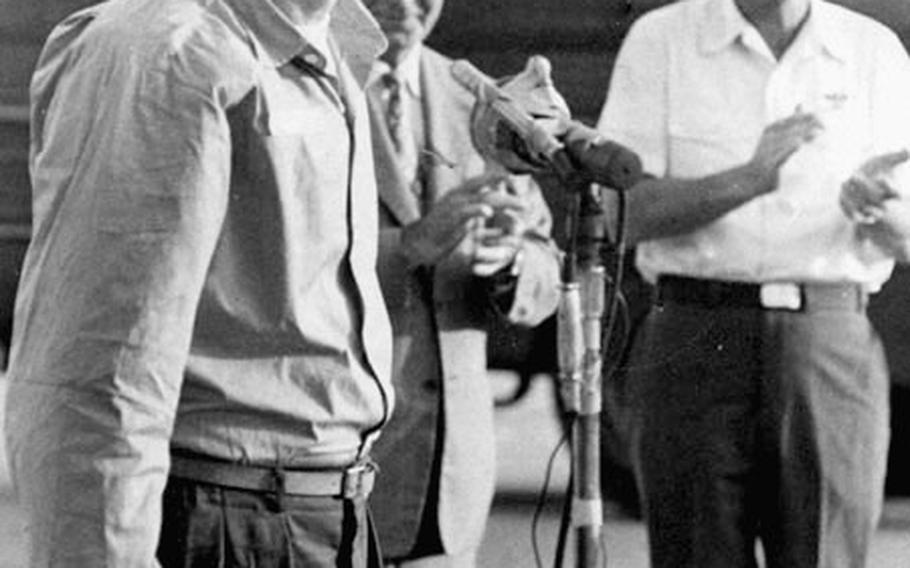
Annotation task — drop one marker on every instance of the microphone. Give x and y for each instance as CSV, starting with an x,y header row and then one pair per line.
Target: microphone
x,y
605,162
495,106
589,154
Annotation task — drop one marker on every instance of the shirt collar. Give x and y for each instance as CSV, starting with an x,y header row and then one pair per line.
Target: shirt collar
x,y
721,24
825,30
351,28
408,71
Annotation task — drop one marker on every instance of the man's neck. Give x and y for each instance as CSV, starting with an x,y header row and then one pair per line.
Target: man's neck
x,y
778,21
306,12
394,58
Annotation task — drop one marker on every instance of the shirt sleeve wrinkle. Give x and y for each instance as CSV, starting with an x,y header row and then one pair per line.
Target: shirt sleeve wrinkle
x,y
211,59
169,163
157,197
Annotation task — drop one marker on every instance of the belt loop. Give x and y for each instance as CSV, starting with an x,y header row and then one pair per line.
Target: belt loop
x,y
862,297
280,485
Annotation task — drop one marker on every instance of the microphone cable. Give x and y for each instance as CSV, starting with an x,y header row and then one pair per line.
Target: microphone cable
x,y
618,306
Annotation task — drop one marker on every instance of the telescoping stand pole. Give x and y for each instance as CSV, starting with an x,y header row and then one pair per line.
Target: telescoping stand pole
x,y
579,328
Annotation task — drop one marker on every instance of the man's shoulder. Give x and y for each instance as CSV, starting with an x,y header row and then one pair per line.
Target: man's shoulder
x,y
678,23
193,42
676,13
870,43
854,23
434,61
436,73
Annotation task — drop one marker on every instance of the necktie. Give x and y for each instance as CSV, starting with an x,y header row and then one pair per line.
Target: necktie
x,y
400,128
394,110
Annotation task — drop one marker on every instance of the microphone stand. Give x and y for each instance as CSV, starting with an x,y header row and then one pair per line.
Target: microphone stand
x,y
581,305
579,339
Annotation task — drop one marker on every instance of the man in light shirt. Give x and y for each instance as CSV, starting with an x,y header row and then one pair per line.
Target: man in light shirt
x,y
457,247
201,356
777,134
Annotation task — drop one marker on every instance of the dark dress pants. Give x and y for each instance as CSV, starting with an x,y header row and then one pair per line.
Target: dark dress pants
x,y
765,425
208,526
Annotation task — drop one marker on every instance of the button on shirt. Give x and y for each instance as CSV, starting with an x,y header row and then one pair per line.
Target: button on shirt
x,y
693,88
202,268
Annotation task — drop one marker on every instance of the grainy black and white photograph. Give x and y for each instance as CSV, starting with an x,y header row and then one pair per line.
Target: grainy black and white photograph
x,y
454,284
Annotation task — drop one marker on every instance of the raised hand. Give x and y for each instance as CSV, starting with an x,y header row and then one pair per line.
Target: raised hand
x,y
497,242
779,141
864,195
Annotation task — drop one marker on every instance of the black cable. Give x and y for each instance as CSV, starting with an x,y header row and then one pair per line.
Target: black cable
x,y
542,497
624,335
565,518
618,269
617,300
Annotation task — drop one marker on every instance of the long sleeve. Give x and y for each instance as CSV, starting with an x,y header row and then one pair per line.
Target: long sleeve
x,y
125,225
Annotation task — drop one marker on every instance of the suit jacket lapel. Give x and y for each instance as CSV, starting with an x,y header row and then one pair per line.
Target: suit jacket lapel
x,y
394,190
449,157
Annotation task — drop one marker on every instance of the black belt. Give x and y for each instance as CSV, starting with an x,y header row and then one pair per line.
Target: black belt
x,y
353,481
787,296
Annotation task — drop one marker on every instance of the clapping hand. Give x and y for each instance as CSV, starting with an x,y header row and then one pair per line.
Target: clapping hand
x,y
780,140
463,213
497,241
864,195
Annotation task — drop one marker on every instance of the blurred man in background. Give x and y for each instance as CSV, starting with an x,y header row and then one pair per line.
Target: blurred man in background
x,y
777,130
454,243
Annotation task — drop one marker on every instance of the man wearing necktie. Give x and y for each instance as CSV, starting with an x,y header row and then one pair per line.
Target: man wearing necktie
x,y
455,241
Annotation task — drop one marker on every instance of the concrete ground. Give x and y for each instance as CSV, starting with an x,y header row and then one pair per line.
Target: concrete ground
x,y
527,434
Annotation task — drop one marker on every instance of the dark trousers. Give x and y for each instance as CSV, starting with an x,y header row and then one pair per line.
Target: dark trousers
x,y
208,525
756,424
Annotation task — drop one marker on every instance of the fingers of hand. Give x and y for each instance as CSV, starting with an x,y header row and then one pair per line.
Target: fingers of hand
x,y
862,199
445,227
863,214
799,127
865,190
502,201
782,138
507,222
486,205
487,260
884,163
483,196
497,237
478,184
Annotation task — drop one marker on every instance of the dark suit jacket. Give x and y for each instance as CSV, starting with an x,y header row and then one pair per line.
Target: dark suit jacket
x,y
439,319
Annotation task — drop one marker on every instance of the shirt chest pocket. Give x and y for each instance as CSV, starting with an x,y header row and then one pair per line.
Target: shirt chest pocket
x,y
701,141
845,135
829,90
304,134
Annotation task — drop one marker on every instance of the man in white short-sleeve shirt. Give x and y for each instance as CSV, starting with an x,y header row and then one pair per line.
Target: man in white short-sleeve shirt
x,y
777,133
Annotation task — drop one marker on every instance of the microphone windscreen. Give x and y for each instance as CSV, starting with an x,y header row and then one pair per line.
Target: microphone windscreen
x,y
605,162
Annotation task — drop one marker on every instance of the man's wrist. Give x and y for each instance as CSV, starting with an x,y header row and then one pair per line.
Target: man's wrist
x,y
757,179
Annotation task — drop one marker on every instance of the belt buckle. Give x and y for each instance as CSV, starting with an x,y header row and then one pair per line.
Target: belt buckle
x,y
358,480
781,296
